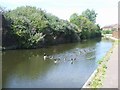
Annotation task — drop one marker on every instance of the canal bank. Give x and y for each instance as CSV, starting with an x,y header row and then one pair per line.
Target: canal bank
x,y
111,80
96,80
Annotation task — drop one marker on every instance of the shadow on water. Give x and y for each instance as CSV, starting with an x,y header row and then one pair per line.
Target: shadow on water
x,y
26,68
25,64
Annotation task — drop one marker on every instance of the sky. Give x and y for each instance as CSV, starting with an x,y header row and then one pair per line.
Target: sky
x,y
107,10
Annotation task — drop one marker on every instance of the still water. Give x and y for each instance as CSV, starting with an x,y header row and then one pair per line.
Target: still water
x,y
27,69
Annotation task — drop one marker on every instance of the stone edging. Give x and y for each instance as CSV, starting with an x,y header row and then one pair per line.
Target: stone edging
x,y
88,82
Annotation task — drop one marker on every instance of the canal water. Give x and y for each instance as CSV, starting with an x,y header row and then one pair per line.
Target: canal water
x,y
27,69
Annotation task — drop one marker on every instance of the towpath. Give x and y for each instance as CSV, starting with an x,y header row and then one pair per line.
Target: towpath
x,y
111,79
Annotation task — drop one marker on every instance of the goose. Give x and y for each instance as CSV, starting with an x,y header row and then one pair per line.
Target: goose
x,y
51,57
71,61
93,57
64,59
85,50
92,49
80,51
45,56
74,59
58,58
55,61
88,50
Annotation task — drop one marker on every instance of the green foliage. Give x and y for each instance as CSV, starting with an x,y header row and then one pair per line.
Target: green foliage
x,y
107,31
26,24
31,27
90,14
87,27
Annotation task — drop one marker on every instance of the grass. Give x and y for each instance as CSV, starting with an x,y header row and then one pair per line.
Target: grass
x,y
97,80
119,41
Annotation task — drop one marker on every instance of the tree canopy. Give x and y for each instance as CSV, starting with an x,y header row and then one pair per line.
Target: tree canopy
x,y
31,27
86,24
90,14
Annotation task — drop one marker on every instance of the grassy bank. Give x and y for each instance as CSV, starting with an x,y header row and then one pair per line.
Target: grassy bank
x,y
99,76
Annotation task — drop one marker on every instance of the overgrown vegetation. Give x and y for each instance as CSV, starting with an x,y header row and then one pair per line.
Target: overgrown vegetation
x,y
86,23
31,27
97,81
107,31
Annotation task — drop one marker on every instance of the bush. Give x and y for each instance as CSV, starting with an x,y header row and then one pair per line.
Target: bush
x,y
31,27
107,31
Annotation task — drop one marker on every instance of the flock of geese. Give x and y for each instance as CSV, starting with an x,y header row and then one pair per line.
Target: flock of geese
x,y
56,60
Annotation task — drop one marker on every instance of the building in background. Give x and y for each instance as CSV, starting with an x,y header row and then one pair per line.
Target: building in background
x,y
114,29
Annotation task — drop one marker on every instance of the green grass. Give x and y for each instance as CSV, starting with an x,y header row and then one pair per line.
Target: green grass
x,y
118,41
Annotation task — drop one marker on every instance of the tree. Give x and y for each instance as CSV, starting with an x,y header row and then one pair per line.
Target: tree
x,y
73,16
90,14
26,25
85,23
31,27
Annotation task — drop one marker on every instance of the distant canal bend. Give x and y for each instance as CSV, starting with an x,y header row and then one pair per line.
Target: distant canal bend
x,y
27,69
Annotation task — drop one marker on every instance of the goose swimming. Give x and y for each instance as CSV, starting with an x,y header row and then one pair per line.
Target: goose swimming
x,y
51,57
74,59
55,61
45,56
64,59
71,61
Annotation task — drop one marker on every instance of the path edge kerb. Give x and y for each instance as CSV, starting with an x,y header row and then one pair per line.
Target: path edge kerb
x,y
86,85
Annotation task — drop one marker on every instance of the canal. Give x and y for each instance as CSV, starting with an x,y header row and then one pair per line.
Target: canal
x,y
27,69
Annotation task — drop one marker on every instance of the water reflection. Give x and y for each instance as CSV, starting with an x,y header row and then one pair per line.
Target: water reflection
x,y
26,68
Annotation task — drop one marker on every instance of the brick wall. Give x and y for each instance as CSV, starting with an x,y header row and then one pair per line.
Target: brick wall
x,y
116,34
